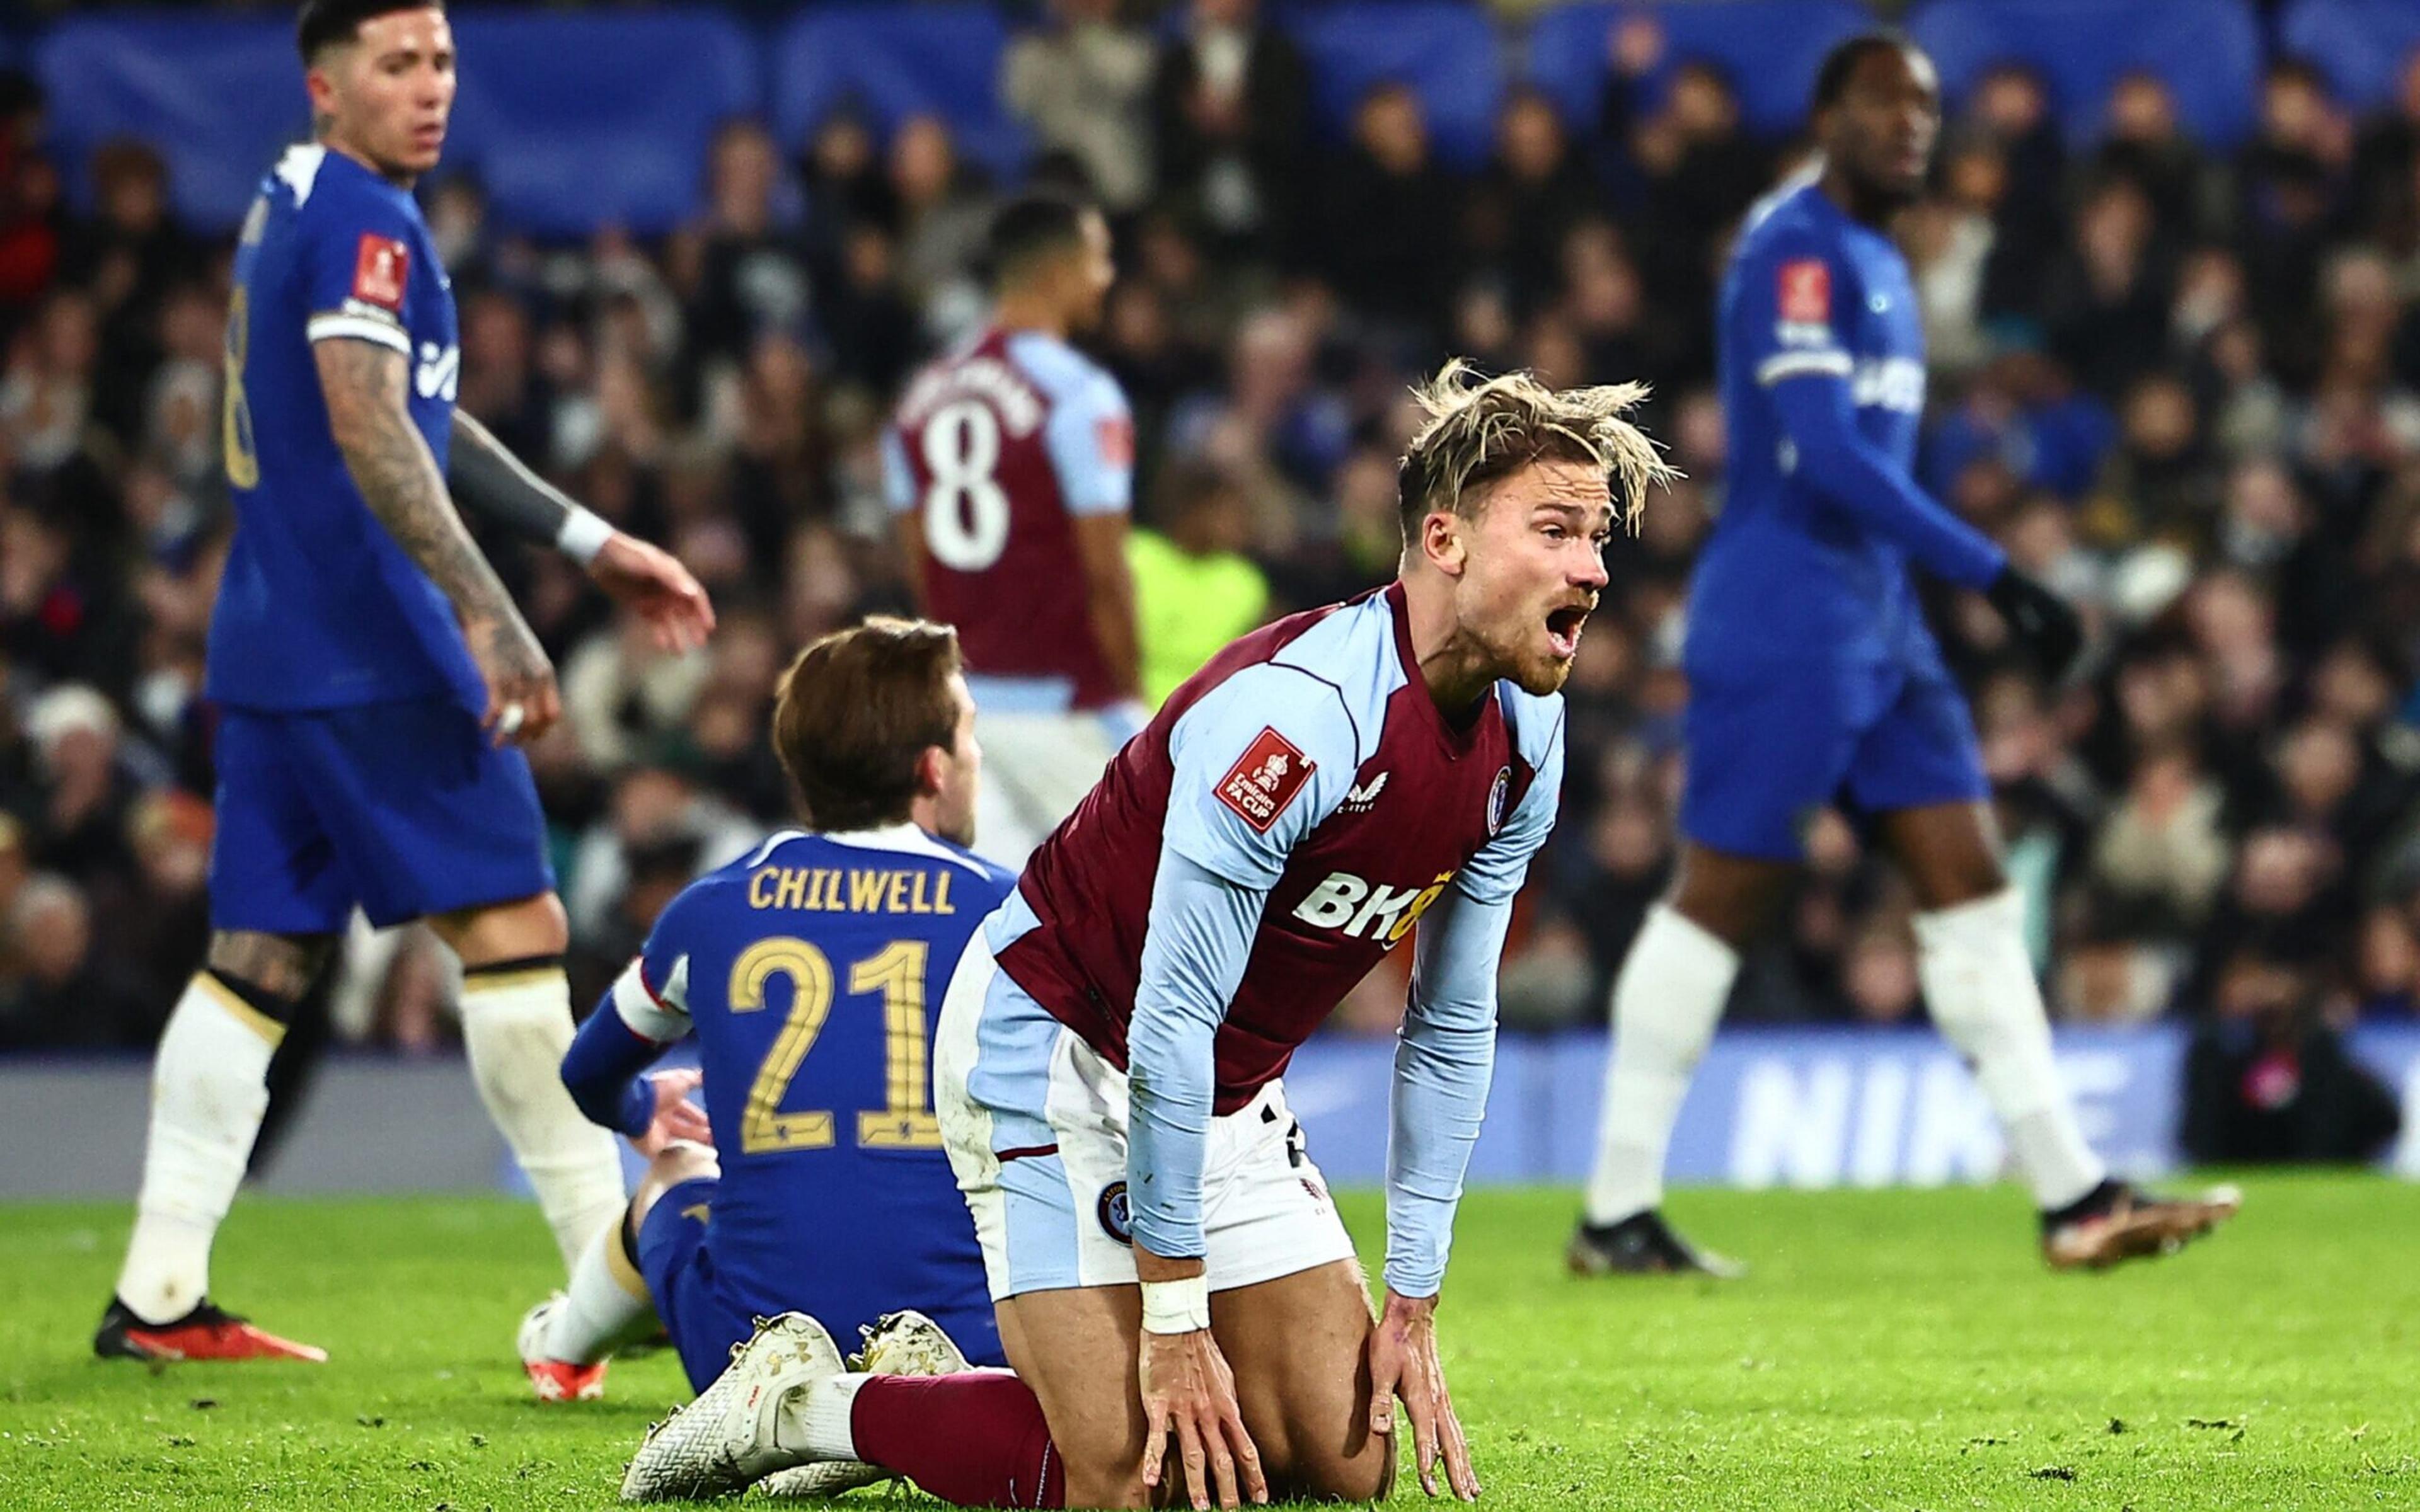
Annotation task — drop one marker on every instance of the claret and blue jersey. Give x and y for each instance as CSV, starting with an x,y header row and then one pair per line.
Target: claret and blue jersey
x,y
811,972
1813,676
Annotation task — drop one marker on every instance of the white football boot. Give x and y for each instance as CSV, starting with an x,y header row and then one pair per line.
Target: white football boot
x,y
729,1436
902,1344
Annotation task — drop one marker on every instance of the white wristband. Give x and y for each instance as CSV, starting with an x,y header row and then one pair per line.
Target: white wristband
x,y
1177,1306
584,535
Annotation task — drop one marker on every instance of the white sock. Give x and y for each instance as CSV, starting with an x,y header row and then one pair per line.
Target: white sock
x,y
208,1095
815,1423
605,1305
1666,1002
1979,982
517,1025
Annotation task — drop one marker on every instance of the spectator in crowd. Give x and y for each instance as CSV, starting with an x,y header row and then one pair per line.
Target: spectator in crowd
x,y
1230,110
1194,587
1534,190
1387,217
1082,82
2011,124
2268,1080
68,995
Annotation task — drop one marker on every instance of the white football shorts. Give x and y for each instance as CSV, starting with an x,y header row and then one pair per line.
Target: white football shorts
x,y
1035,1125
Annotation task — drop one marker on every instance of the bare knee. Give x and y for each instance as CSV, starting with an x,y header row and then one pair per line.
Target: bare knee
x,y
516,931
680,1161
282,964
1730,897
1950,853
1109,1489
1360,1477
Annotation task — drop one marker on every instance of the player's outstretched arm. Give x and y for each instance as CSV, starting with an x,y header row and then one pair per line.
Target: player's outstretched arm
x,y
1445,1060
367,387
1818,413
489,480
1195,947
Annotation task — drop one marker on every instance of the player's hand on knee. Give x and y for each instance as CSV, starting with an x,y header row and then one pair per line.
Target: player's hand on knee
x,y
676,1117
1404,1363
522,703
1188,1391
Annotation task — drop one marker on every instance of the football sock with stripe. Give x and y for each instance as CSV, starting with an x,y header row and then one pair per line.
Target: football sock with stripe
x,y
1979,982
208,1091
605,1305
517,1024
1665,1004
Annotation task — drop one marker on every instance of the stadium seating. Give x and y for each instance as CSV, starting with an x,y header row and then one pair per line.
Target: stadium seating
x,y
894,62
2361,45
619,138
1768,49
217,95
622,138
2208,52
1448,53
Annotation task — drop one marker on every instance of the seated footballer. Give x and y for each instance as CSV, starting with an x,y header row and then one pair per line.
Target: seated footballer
x,y
1163,1257
809,972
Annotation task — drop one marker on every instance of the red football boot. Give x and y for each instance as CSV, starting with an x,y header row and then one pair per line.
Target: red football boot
x,y
555,1380
206,1332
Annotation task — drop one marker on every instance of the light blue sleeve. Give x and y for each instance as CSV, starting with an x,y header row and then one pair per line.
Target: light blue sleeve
x,y
1497,872
1444,1060
1090,435
1194,950
898,480
1241,818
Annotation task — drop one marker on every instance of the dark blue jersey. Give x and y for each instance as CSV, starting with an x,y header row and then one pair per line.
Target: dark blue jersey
x,y
318,606
811,972
1822,360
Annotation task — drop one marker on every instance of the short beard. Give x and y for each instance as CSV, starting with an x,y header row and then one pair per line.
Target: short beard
x,y
1535,675
1541,682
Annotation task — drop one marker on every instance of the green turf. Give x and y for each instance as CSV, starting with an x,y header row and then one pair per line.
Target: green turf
x,y
1890,1350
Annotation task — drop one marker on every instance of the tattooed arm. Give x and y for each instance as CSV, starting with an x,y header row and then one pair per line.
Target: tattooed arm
x,y
367,386
488,479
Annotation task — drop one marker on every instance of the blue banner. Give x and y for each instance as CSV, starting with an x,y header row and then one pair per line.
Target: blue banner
x,y
1804,1107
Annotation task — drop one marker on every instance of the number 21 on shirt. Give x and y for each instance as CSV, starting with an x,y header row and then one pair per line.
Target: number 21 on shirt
x,y
897,973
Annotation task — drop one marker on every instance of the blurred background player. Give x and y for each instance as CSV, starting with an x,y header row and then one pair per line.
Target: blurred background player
x,y
1109,1062
1011,467
371,675
1813,678
811,972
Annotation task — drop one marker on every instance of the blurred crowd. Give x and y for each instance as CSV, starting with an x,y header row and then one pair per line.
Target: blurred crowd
x,y
2182,387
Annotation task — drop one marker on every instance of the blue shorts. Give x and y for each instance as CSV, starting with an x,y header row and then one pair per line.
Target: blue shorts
x,y
698,1299
404,808
1773,745
679,1269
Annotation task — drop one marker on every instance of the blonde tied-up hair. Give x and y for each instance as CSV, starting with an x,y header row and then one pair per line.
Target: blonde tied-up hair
x,y
1479,430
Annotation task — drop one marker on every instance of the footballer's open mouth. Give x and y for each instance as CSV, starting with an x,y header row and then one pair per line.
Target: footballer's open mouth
x,y
1563,630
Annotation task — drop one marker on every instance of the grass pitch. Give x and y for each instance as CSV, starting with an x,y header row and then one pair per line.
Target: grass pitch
x,y
1889,1350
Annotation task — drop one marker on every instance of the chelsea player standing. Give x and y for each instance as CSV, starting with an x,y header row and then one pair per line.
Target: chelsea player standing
x,y
1813,677
810,971
371,675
